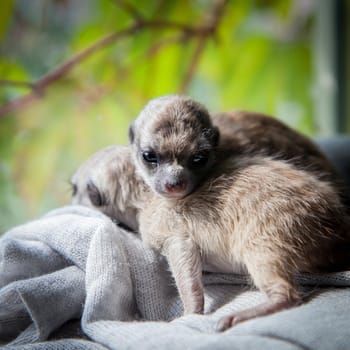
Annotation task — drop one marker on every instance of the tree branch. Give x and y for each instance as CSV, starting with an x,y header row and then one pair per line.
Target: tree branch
x,y
212,24
156,47
62,70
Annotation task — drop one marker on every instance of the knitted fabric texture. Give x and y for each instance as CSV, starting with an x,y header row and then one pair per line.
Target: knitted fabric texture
x,y
74,280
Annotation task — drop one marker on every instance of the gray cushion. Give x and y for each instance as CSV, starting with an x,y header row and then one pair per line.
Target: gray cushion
x,y
337,149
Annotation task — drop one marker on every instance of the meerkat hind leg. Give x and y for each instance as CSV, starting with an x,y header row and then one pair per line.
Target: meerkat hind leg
x,y
268,307
279,288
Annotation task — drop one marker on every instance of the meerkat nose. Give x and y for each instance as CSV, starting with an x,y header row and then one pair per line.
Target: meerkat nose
x,y
175,187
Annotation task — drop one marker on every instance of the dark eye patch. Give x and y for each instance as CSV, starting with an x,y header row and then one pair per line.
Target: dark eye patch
x,y
150,157
199,159
96,197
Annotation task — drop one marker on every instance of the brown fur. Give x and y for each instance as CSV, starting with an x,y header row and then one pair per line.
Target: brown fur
x,y
167,130
251,133
107,182
292,227
262,216
269,216
264,208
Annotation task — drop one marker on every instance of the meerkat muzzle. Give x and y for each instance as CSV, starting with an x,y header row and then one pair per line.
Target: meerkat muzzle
x,y
176,187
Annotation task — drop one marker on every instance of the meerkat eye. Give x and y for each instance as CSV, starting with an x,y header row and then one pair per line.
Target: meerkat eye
x,y
96,198
150,157
200,159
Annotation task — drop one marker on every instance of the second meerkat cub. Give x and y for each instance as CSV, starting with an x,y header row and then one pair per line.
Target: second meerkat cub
x,y
106,181
244,213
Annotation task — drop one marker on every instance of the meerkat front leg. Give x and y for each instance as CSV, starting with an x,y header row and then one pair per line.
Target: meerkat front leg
x,y
185,263
277,283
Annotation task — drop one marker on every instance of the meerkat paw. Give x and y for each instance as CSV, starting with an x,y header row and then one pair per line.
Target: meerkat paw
x,y
266,308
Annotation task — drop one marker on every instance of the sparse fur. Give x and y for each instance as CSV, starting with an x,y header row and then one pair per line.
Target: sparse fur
x,y
262,216
251,133
166,129
263,209
263,206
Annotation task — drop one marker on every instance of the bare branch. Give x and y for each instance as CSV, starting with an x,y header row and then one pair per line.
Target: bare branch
x,y
17,104
155,48
62,70
212,23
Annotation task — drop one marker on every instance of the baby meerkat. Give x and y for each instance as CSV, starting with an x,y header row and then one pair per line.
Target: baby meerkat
x,y
205,217
174,171
107,182
248,212
176,142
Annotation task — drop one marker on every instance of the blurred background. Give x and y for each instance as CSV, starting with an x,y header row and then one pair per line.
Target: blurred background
x,y
74,73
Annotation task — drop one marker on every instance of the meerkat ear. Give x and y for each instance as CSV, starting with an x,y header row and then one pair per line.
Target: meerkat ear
x,y
215,136
95,196
131,132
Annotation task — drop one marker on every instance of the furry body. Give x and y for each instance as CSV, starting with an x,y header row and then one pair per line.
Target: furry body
x,y
251,133
261,203
107,181
262,217
217,217
267,211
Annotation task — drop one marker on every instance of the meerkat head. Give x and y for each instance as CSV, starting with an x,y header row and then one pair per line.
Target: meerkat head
x,y
173,144
107,182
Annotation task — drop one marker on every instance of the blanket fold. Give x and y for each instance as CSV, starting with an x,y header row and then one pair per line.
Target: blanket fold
x,y
75,264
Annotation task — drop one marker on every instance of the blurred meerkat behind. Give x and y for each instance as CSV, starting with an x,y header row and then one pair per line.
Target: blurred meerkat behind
x,y
106,181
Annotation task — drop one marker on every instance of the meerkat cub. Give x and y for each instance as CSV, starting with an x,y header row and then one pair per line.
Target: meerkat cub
x,y
107,182
245,213
170,174
121,188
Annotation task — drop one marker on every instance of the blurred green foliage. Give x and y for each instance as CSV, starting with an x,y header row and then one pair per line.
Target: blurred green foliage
x,y
258,59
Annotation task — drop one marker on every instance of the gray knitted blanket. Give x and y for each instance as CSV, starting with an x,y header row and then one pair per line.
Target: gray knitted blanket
x,y
74,280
